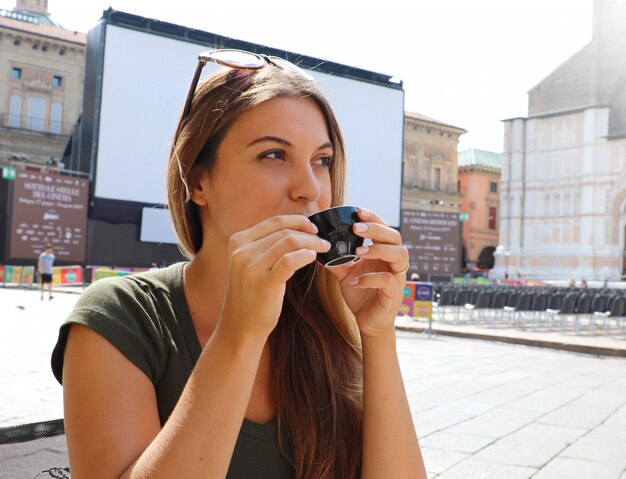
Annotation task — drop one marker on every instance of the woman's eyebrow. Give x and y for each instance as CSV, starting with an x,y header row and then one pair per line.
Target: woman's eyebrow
x,y
275,139
282,141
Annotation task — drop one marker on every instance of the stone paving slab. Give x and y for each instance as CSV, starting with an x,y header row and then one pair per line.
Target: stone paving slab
x,y
472,469
531,446
568,468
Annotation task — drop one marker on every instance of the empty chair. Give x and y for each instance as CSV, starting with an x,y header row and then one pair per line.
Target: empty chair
x,y
537,308
461,298
615,310
481,304
583,307
524,304
593,303
474,293
444,303
498,302
567,309
511,304
554,301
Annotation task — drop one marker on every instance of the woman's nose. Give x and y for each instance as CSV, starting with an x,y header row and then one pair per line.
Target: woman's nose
x,y
305,185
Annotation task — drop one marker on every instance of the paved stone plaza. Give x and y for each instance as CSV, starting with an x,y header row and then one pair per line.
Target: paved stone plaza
x,y
482,409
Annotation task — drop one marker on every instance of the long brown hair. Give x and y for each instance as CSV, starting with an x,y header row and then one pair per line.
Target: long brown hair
x,y
317,371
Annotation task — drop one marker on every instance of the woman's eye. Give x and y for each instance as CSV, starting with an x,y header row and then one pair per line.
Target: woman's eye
x,y
273,155
324,161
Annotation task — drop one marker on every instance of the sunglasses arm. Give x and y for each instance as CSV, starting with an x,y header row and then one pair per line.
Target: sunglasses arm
x,y
192,88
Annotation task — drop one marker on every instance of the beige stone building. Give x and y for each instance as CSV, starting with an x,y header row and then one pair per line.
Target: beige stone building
x,y
41,81
430,178
430,197
563,193
479,186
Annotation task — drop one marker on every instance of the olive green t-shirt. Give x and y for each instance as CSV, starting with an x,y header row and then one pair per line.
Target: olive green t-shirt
x,y
146,317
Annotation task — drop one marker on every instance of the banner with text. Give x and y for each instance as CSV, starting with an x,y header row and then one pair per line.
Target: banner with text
x,y
434,242
48,208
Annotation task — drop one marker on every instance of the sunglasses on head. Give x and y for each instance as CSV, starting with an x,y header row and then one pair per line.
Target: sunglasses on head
x,y
241,60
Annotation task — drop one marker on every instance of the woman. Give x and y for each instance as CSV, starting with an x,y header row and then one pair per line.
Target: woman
x,y
250,360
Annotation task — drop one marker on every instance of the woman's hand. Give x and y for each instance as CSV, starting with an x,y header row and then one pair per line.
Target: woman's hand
x,y
373,288
261,260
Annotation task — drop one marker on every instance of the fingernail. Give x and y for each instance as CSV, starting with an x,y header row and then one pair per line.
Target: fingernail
x,y
325,243
354,281
315,227
360,227
365,213
362,250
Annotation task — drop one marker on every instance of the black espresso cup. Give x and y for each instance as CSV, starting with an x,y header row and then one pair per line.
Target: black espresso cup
x,y
335,225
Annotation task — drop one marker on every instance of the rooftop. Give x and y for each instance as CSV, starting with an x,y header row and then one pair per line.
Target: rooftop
x,y
20,22
474,157
427,119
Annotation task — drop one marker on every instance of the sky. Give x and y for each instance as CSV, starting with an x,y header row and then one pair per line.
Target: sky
x,y
468,63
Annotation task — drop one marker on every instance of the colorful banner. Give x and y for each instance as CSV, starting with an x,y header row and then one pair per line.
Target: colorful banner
x,y
1,274
417,301
28,276
12,274
406,307
67,275
423,307
101,273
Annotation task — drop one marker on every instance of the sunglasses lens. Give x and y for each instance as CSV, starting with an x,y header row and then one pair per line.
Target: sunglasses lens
x,y
235,58
282,63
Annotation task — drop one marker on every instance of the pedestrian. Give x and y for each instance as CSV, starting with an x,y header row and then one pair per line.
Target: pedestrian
x,y
45,265
250,359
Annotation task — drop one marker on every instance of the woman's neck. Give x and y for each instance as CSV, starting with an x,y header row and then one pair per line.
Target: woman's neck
x,y
204,283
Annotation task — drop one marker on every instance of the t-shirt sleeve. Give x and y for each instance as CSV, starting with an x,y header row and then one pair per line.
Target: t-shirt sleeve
x,y
124,313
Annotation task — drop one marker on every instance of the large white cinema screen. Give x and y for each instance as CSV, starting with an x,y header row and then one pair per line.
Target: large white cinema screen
x,y
145,78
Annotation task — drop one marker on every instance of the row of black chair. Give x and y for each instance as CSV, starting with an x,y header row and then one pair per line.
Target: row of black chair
x,y
534,306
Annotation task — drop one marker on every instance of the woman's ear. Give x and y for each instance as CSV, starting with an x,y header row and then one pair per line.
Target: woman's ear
x,y
199,190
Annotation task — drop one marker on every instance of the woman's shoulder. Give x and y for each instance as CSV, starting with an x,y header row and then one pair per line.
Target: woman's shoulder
x,y
138,287
134,313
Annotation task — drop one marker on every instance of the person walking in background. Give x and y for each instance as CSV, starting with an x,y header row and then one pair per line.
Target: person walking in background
x,y
44,266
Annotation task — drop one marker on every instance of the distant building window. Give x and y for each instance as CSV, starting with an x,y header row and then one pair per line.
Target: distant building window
x,y
56,118
16,73
36,108
61,51
493,187
437,179
15,111
57,80
493,213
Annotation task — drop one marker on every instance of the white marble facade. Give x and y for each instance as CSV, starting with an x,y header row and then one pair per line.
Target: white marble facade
x,y
563,191
563,198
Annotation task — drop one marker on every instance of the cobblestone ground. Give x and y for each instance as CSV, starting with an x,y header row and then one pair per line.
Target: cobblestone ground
x,y
481,409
